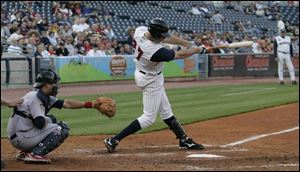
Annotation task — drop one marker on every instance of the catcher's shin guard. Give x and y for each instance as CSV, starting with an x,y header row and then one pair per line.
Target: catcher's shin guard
x,y
176,127
51,142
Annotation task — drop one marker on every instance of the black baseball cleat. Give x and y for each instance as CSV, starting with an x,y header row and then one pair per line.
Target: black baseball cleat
x,y
294,82
111,144
281,83
188,143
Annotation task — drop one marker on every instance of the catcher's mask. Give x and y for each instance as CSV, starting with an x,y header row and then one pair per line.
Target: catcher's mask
x,y
158,28
49,77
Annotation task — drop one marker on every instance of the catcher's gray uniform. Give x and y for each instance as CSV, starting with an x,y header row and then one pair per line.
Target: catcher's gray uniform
x,y
22,131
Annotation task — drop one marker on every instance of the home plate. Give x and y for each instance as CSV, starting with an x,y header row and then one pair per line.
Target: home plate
x,y
205,156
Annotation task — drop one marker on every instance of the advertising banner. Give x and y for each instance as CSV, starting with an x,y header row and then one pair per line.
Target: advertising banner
x,y
243,65
118,67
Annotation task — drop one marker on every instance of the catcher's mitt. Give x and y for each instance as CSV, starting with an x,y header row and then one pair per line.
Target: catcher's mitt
x,y
106,106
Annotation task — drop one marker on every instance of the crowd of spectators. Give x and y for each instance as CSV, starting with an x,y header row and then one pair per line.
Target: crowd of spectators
x,y
71,32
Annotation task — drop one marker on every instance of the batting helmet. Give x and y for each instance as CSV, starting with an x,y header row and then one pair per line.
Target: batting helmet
x,y
46,77
158,28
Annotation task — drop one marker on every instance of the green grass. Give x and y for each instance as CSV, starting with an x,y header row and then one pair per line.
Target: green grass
x,y
188,104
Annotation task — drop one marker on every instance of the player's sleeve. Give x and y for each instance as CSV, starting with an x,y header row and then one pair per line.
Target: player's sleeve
x,y
163,55
56,103
37,111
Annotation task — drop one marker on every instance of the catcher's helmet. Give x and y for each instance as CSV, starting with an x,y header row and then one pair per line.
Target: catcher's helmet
x,y
158,28
46,77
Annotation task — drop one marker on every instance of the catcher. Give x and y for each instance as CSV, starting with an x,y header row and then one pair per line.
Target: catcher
x,y
34,131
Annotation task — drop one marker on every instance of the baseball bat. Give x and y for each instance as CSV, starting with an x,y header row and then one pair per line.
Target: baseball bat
x,y
235,45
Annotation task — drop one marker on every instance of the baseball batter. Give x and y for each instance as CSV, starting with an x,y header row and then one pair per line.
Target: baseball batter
x,y
150,54
283,49
32,129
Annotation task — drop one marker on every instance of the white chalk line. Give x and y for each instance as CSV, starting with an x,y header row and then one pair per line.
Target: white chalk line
x,y
240,167
230,148
259,137
211,146
97,152
251,91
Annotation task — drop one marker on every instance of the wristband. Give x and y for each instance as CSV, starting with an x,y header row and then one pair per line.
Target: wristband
x,y
88,104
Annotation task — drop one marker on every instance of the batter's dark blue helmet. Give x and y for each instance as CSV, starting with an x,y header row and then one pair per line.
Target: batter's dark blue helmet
x,y
158,28
46,77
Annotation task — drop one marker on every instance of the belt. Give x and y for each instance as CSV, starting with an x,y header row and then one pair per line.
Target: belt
x,y
283,52
13,136
146,73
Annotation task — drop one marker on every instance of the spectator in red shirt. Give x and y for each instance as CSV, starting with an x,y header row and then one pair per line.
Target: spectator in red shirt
x,y
87,45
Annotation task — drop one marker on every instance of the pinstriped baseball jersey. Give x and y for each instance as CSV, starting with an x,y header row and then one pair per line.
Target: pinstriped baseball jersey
x,y
144,49
150,80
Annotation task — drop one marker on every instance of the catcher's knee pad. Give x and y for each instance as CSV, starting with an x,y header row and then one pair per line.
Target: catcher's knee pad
x,y
64,125
51,142
146,121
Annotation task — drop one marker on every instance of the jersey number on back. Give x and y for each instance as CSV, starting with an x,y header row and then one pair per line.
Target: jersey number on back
x,y
134,45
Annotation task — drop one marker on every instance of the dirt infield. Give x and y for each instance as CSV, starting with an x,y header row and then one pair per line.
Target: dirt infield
x,y
267,139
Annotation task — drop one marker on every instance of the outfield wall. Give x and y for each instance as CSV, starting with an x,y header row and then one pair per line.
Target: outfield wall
x,y
73,69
